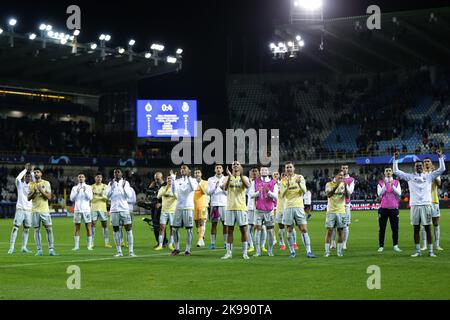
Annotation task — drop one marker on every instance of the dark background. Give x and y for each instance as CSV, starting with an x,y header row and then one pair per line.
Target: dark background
x,y
218,37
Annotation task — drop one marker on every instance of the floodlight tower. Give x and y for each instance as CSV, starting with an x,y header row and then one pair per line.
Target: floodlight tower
x,y
308,12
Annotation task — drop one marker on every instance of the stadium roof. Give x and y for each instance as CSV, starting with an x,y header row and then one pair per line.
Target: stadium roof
x,y
28,65
406,39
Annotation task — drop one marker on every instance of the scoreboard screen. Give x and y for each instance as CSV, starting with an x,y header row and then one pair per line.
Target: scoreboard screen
x,y
166,118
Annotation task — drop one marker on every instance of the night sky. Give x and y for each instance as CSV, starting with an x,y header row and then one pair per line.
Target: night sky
x,y
217,36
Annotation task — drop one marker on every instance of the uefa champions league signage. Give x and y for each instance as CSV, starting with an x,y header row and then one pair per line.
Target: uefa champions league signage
x,y
166,118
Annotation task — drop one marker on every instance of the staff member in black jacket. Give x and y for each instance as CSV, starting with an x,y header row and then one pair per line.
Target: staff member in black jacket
x,y
154,204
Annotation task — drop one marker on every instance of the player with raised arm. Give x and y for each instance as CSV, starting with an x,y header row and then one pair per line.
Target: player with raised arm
x,y
82,195
40,193
236,213
293,187
118,192
23,208
337,192
184,189
218,204
169,203
420,183
264,190
200,207
435,211
99,210
389,191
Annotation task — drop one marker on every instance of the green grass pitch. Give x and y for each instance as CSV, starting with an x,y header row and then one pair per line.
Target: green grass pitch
x,y
156,275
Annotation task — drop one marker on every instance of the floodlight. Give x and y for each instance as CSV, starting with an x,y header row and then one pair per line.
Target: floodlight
x,y
12,22
42,27
107,37
179,51
171,59
32,36
102,37
308,4
93,46
76,33
121,50
132,42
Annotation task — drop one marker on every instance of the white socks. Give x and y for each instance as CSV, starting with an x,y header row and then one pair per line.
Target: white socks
x,y
270,239
176,238
424,237
25,233
346,232
14,232
333,238
306,242
106,235
50,239
327,248
244,248
281,235
189,237
160,239
213,239
77,241
291,241
37,239
437,235
250,235
263,236
258,241
339,248
229,248
118,240
130,240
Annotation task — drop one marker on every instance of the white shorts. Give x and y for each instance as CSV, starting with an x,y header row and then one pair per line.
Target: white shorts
x,y
251,216
95,215
264,217
279,217
82,216
37,218
166,218
421,215
183,218
121,218
336,220
294,215
435,211
22,217
348,214
236,216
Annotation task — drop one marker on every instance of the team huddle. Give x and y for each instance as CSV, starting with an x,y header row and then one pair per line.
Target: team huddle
x,y
255,203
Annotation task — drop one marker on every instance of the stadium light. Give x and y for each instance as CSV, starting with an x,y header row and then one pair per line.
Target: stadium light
x,y
272,45
290,44
301,43
298,38
107,37
1,30
48,28
120,50
179,51
171,59
76,33
42,27
157,47
148,55
102,37
12,22
93,46
63,40
308,4
132,42
32,36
